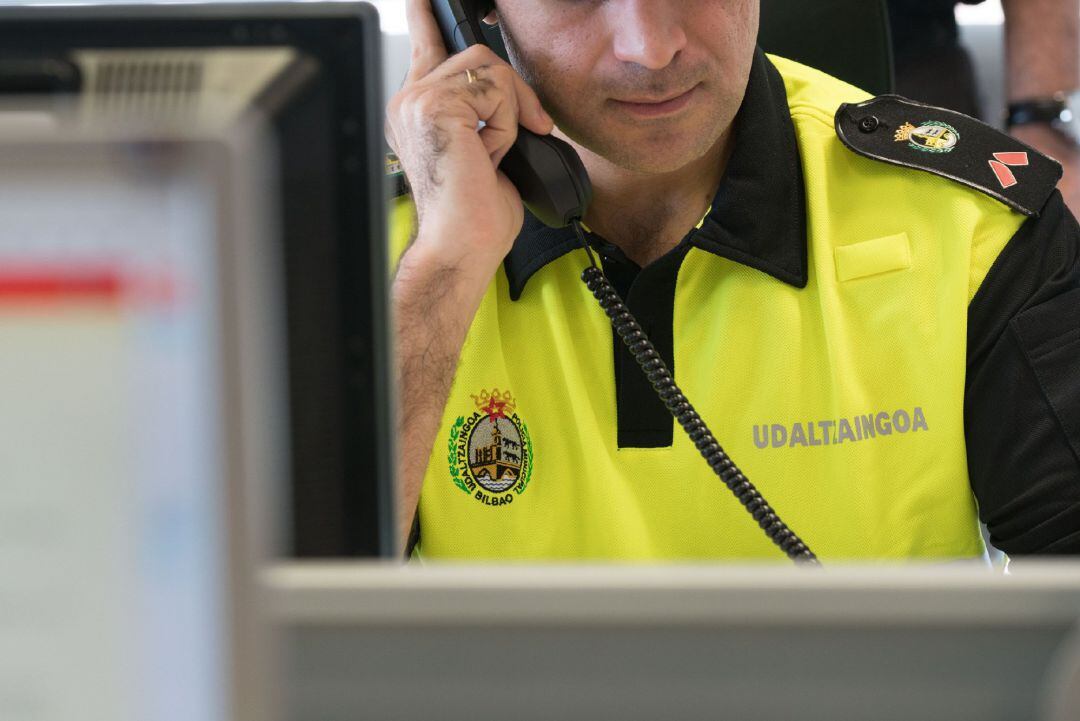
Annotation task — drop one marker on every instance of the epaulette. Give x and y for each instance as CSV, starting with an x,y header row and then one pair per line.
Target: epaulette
x,y
399,186
943,142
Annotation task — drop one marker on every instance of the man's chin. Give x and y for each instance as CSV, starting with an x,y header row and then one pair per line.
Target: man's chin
x,y
651,151
652,158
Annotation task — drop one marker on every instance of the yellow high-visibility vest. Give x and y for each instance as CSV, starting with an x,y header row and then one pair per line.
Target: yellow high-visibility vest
x,y
840,394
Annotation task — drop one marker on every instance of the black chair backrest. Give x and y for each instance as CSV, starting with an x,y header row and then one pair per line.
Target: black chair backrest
x,y
848,39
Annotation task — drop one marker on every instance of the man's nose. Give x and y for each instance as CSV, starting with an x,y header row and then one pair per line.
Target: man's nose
x,y
647,32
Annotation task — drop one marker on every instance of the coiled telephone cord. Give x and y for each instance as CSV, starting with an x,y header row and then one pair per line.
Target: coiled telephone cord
x,y
680,408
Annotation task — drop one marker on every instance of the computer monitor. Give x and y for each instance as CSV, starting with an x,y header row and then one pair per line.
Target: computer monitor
x,y
639,643
192,281
312,70
140,423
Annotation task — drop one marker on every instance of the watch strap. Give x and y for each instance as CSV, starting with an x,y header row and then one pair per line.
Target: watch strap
x,y
1053,109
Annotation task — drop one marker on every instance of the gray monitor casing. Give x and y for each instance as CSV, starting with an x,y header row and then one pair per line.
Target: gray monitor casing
x,y
704,642
325,115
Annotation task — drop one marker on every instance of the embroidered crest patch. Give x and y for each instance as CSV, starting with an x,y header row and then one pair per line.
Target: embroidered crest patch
x,y
933,136
490,452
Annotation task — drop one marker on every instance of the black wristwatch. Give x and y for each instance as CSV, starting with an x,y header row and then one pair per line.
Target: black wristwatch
x,y
1060,111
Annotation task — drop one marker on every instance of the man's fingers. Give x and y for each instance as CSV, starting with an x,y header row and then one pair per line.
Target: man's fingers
x,y
491,74
428,50
480,95
429,53
531,112
497,140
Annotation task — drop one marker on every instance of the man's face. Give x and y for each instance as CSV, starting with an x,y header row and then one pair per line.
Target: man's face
x,y
601,68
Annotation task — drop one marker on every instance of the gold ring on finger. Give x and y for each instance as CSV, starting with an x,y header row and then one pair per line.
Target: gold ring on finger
x,y
470,76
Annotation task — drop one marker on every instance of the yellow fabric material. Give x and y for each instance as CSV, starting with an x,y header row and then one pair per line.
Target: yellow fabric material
x,y
841,401
871,257
402,217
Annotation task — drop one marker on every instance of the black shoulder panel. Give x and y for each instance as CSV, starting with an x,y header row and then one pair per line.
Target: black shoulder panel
x,y
955,146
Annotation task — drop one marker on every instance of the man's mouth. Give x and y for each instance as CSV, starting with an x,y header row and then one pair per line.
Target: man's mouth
x,y
656,107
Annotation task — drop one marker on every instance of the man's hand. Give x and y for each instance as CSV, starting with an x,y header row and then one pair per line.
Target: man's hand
x,y
469,215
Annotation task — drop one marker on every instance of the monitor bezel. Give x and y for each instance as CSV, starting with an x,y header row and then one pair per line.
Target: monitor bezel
x,y
359,512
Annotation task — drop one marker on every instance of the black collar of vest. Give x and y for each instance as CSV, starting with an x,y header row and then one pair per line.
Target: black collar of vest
x,y
758,216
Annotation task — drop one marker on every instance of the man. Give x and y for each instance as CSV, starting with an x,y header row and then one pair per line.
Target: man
x,y
1042,61
870,342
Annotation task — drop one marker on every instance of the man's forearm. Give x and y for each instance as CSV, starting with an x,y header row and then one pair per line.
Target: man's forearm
x,y
1042,46
1042,43
434,305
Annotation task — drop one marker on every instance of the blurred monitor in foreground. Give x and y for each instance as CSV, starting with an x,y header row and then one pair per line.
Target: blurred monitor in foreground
x,y
140,424
693,643
311,71
191,323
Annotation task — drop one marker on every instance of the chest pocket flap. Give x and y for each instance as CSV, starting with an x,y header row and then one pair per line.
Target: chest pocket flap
x,y
871,257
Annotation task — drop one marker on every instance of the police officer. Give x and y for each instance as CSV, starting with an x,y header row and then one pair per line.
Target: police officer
x,y
874,304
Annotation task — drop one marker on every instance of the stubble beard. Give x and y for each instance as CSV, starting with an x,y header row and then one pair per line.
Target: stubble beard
x,y
658,152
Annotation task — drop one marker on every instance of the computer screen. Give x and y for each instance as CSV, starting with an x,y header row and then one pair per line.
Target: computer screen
x,y
192,280
312,71
689,642
131,447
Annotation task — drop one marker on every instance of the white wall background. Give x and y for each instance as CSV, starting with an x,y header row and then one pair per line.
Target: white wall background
x,y
395,43
982,34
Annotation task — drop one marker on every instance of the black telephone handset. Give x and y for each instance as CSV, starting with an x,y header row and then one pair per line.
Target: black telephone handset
x,y
546,171
554,186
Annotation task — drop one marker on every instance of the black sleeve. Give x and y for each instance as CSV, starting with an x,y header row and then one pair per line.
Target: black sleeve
x,y
1022,400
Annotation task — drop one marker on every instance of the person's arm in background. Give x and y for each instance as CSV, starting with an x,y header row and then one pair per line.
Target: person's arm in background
x,y
1042,57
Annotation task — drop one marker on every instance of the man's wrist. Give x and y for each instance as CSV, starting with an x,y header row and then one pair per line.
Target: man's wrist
x,y
443,252
1058,113
437,293
1047,140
